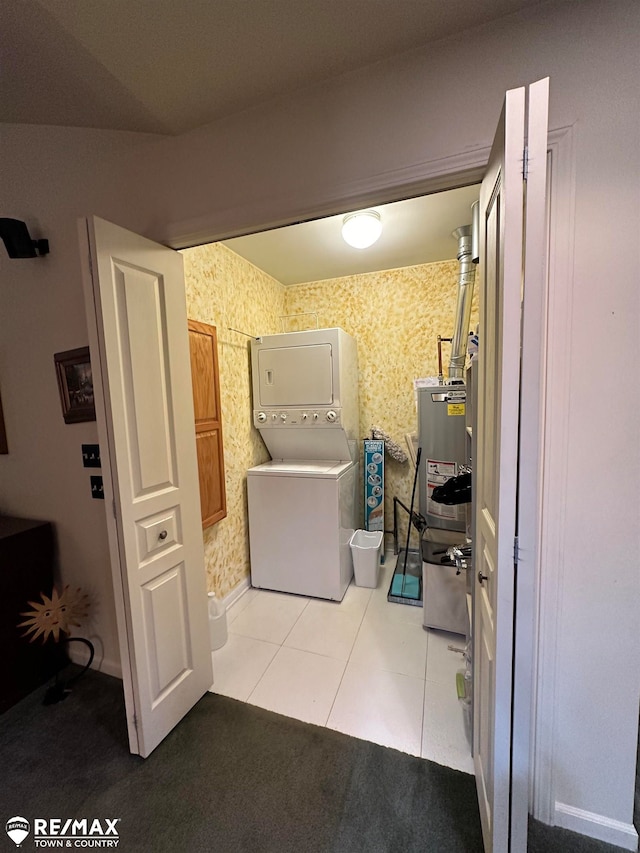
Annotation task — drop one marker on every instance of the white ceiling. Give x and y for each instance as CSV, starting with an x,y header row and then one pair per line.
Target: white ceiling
x,y
415,231
164,66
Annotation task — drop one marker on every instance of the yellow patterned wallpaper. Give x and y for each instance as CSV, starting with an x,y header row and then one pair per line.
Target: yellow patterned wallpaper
x,y
395,317
226,291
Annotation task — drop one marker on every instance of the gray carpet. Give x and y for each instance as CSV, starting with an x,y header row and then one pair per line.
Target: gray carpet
x,y
233,778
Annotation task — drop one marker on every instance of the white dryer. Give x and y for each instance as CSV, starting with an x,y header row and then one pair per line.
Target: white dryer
x,y
302,516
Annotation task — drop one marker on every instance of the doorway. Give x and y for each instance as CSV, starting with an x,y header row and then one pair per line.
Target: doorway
x,y
395,299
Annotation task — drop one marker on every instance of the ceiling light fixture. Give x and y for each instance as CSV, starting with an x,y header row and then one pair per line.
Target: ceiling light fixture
x,y
361,229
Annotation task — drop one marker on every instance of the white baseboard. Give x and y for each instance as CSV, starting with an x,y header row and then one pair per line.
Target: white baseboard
x,y
596,826
236,593
109,667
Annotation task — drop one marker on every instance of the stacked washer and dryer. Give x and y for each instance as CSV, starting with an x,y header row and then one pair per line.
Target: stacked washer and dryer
x,y
303,504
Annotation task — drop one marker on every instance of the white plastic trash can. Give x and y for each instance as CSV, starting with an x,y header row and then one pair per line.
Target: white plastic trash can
x,y
217,622
366,549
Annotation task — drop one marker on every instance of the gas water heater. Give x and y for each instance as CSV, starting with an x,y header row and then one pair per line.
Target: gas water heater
x,y
443,437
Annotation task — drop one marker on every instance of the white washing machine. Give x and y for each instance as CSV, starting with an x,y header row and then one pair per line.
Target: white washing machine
x,y
302,515
303,504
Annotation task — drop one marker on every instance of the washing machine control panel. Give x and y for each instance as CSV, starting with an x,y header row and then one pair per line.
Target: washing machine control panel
x,y
296,418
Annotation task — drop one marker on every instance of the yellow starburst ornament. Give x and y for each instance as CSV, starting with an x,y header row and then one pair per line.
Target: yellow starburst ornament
x,y
55,615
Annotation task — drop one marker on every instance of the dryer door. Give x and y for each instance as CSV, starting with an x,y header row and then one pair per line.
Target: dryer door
x,y
295,376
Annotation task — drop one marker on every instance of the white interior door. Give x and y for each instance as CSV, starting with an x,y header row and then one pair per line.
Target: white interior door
x,y
140,355
503,809
532,368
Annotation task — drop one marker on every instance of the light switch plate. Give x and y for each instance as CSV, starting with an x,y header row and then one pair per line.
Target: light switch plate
x,y
97,489
91,456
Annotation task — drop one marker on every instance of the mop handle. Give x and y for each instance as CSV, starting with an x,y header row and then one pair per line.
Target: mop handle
x,y
413,497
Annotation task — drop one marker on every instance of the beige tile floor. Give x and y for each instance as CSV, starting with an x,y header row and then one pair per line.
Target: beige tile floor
x,y
364,666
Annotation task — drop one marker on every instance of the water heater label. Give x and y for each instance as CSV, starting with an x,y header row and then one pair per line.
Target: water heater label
x,y
455,409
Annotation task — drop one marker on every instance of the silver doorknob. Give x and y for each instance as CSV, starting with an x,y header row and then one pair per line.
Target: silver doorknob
x,y
482,577
163,534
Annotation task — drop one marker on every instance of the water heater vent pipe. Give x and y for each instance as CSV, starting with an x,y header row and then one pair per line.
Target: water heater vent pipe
x,y
466,279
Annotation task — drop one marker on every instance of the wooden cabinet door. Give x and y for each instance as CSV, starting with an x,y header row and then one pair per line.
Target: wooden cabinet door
x,y
203,346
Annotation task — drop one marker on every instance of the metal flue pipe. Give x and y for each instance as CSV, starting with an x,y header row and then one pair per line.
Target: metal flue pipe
x,y
466,279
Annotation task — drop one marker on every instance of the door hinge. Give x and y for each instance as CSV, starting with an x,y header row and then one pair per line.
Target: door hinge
x,y
516,551
525,162
113,506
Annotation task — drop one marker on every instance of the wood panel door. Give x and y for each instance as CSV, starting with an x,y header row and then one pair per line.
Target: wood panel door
x,y
501,238
512,247
136,315
205,377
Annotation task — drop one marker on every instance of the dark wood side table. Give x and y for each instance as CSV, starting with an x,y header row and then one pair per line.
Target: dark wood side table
x,y
26,570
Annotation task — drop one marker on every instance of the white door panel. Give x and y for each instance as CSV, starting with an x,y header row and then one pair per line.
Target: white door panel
x,y
140,326
530,450
501,728
501,206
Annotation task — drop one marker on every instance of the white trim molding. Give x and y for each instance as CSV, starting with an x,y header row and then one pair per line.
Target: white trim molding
x,y
596,826
430,176
549,583
236,593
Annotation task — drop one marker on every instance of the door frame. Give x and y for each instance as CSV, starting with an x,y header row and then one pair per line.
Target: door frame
x,y
553,474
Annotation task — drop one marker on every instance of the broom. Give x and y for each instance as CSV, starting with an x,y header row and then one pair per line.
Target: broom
x,y
403,585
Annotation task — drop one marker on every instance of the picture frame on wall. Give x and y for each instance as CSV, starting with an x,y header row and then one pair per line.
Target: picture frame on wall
x,y
75,382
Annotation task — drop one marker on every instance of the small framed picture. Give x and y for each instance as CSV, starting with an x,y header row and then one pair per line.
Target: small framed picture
x,y
75,382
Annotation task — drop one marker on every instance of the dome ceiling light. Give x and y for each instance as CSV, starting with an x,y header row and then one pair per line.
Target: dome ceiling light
x,y
361,229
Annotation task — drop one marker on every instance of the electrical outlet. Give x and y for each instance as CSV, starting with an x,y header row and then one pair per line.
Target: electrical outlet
x,y
91,456
97,489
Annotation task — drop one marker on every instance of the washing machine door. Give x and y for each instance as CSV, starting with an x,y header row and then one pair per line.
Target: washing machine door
x,y
331,470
